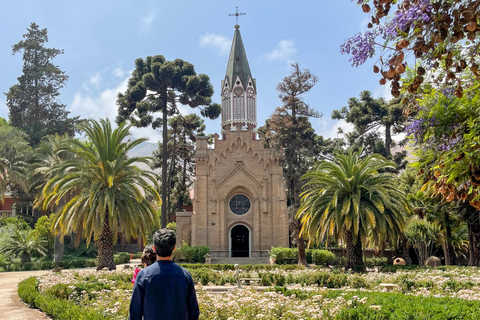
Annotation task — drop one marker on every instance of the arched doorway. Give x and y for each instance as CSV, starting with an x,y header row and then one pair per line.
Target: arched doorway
x,y
240,241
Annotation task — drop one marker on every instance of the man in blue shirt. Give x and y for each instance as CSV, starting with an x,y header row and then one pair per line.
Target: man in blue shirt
x,y
164,290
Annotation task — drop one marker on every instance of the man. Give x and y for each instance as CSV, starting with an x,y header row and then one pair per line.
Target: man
x,y
164,290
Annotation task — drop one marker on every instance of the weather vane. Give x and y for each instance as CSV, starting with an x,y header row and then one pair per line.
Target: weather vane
x,y
236,14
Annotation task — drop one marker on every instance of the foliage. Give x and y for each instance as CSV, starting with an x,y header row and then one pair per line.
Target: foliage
x,y
11,223
353,199
442,35
290,255
191,254
23,243
172,225
376,262
289,129
156,86
109,190
182,134
422,236
14,155
370,117
43,231
32,102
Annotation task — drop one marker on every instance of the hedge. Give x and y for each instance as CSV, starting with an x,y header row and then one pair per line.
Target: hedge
x,y
191,254
59,309
290,256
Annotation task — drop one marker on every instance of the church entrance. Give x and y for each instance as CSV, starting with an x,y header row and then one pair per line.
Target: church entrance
x,y
240,240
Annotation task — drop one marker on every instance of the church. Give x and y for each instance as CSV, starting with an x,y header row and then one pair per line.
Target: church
x,y
239,205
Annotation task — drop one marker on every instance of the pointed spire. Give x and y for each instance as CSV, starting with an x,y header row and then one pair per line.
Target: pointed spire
x,y
238,62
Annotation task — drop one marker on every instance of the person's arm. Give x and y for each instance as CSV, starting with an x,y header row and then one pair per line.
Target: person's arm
x,y
138,295
192,304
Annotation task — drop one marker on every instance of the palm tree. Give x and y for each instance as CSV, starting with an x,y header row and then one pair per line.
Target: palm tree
x,y
107,193
48,159
23,243
13,153
353,199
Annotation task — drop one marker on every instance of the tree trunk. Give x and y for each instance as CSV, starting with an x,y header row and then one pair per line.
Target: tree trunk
x,y
302,257
163,222
471,243
58,250
388,138
354,252
105,247
448,248
25,257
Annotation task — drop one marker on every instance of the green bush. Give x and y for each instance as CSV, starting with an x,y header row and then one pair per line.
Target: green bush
x,y
122,257
375,261
191,254
290,256
59,309
137,255
322,257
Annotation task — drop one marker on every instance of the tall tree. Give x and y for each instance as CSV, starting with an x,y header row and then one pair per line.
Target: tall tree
x,y
353,199
289,128
181,141
33,102
155,87
109,190
371,118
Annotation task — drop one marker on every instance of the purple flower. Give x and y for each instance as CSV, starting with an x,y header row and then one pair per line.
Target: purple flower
x,y
360,46
405,17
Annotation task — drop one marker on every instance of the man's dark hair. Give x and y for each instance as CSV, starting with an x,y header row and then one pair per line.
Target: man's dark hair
x,y
164,241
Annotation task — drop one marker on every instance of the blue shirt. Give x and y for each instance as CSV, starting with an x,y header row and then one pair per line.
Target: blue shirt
x,y
164,290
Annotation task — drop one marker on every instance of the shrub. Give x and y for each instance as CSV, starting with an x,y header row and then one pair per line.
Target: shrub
x,y
191,254
322,257
59,309
375,261
123,257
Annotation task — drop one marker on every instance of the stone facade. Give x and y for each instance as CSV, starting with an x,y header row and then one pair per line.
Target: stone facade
x,y
239,206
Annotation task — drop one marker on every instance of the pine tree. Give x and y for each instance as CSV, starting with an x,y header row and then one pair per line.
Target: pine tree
x,y
32,102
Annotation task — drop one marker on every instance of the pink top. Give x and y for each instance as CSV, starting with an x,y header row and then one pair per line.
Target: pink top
x,y
137,270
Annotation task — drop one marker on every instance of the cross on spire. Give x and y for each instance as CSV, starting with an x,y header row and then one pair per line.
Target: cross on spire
x,y
236,14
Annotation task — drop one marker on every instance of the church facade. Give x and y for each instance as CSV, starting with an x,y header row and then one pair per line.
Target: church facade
x,y
239,205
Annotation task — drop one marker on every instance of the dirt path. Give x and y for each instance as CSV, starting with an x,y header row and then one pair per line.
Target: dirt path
x,y
11,307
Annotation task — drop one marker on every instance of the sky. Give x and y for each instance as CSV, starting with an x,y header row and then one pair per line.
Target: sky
x,y
102,39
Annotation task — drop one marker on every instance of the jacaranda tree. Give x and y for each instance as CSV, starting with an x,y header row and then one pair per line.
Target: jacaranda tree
x,y
106,191
352,199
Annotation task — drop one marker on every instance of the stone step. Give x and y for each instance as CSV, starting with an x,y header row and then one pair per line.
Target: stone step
x,y
241,261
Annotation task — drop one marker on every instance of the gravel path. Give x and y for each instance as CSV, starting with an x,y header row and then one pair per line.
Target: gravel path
x,y
12,308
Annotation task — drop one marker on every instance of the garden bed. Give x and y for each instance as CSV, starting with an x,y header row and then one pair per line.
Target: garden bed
x,y
446,293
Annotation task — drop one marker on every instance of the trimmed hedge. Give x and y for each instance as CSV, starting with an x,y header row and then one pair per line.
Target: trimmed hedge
x,y
290,256
59,309
191,254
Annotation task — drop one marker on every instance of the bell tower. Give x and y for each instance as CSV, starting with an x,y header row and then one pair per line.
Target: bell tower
x,y
239,93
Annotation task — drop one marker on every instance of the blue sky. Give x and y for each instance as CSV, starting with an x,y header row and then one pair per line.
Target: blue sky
x,y
103,38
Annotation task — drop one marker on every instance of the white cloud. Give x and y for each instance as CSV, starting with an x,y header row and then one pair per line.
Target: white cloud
x,y
285,49
216,41
119,72
96,79
104,105
383,92
328,128
146,22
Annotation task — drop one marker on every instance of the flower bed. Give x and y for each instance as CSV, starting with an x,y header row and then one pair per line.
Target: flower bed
x,y
426,294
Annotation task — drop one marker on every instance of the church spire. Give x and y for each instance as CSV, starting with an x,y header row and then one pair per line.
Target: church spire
x,y
239,92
